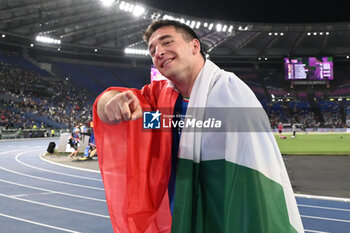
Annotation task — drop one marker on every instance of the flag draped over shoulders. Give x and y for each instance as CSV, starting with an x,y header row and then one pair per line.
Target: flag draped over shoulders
x,y
233,181
135,165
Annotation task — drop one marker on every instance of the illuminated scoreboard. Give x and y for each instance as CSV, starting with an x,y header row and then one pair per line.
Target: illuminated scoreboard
x,y
309,68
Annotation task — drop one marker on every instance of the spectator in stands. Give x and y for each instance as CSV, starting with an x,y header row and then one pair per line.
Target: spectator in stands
x,y
25,87
142,175
74,142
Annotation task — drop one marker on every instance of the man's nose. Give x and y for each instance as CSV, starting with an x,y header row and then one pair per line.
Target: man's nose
x,y
160,51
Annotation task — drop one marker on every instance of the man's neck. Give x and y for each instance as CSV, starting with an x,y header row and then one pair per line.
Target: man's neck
x,y
186,84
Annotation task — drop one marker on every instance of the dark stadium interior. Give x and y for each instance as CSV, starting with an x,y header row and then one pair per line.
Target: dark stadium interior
x,y
297,11
93,38
91,58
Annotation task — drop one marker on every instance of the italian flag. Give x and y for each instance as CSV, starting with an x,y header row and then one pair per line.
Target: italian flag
x,y
231,181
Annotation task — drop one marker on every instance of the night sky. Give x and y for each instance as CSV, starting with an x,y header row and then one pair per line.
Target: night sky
x,y
291,11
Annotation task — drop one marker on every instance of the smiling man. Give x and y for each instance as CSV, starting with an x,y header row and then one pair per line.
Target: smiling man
x,y
182,181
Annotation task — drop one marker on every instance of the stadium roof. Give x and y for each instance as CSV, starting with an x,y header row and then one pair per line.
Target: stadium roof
x,y
241,30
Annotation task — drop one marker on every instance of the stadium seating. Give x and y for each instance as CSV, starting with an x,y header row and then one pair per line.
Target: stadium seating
x,y
32,97
16,60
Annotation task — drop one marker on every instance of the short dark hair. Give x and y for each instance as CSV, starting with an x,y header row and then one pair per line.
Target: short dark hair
x,y
188,33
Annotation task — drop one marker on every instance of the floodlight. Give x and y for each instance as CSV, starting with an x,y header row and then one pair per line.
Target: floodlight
x,y
107,3
168,17
122,5
136,51
130,7
47,40
138,11
193,23
218,27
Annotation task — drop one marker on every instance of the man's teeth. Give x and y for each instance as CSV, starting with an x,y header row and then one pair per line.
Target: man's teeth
x,y
167,61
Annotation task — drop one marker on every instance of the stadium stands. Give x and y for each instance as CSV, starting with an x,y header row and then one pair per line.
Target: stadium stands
x,y
31,97
78,77
31,101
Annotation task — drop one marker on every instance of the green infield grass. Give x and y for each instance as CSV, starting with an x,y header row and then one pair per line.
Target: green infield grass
x,y
315,144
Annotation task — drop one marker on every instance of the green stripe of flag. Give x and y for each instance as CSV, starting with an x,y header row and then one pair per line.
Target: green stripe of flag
x,y
221,197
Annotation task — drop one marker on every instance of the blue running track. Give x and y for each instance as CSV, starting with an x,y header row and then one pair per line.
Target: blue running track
x,y
37,196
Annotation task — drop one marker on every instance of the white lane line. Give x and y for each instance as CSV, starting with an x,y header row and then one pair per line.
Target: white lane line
x,y
312,231
9,151
30,194
322,197
59,173
50,180
323,207
38,223
327,219
48,190
55,206
67,166
20,140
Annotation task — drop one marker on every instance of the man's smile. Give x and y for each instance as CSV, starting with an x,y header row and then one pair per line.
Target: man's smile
x,y
166,62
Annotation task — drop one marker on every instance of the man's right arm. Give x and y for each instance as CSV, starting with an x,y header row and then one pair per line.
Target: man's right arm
x,y
114,107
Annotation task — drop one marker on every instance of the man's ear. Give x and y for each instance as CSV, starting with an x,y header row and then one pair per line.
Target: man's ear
x,y
196,46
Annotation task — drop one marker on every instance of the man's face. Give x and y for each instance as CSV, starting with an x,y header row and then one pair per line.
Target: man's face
x,y
171,53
